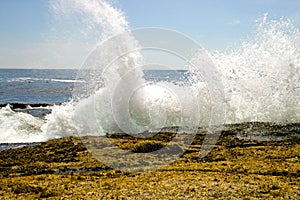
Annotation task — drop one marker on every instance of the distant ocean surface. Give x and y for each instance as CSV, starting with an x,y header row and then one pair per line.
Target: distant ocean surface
x,y
54,86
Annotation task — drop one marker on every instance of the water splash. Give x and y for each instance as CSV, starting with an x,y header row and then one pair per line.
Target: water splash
x,y
95,13
262,77
83,115
261,80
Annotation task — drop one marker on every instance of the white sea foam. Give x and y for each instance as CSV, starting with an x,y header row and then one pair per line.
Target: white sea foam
x,y
18,127
30,79
67,80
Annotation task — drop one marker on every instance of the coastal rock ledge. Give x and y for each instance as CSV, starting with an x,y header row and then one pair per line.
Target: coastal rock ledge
x,y
249,161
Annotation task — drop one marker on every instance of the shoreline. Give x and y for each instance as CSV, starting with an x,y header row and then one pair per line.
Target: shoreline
x,y
246,132
15,106
65,169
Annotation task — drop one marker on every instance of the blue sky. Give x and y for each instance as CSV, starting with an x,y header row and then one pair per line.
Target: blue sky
x,y
213,23
30,37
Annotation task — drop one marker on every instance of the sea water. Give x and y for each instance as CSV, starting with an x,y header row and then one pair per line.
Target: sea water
x,y
55,86
32,86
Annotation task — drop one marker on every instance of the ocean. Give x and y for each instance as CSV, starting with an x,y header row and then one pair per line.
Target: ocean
x,y
55,86
33,86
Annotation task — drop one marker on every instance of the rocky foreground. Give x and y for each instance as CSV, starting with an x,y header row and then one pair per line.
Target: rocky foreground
x,y
240,166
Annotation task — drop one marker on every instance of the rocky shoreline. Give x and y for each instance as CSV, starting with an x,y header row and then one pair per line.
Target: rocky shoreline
x,y
237,167
16,106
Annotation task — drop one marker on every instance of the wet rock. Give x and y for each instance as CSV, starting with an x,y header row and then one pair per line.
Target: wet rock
x,y
235,167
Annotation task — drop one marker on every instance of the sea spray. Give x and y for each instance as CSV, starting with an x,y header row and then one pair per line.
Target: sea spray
x,y
94,14
262,77
261,82
91,113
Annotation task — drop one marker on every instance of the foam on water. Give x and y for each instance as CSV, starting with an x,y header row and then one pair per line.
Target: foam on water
x,y
30,79
18,127
261,80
